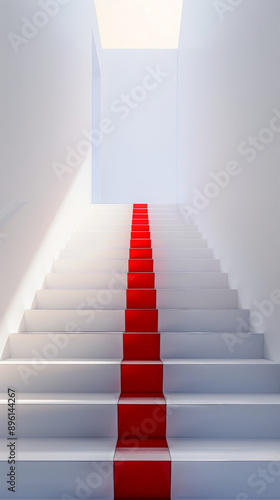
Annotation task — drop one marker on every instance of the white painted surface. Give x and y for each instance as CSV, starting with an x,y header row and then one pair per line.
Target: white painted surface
x,y
139,154
226,95
43,111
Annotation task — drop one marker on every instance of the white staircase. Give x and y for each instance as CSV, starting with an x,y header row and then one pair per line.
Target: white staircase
x,y
223,405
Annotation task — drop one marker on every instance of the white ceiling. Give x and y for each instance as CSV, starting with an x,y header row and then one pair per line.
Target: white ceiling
x,y
139,24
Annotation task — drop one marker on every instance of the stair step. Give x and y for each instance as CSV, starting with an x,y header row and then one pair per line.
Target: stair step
x,y
61,468
88,299
201,320
103,345
106,345
185,265
121,265
63,415
126,234
93,265
123,253
106,299
100,320
240,376
223,416
203,345
108,227
114,243
196,299
84,320
42,375
126,216
187,376
226,466
182,253
118,281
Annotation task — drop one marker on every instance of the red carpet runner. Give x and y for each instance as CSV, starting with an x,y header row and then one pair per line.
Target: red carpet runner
x,y
142,465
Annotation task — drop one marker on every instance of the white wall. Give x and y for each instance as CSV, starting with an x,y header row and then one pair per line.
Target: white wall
x,y
140,140
229,80
46,102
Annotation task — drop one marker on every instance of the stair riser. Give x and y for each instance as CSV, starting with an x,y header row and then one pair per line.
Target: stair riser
x,y
172,217
108,227
123,253
206,378
63,420
79,266
215,320
100,243
210,345
165,299
221,480
110,345
177,378
95,479
155,235
80,320
180,320
118,281
196,299
183,421
239,379
82,266
50,346
223,421
58,378
61,479
72,299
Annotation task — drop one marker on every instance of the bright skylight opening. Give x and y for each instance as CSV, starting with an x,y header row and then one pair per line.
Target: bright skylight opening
x,y
139,24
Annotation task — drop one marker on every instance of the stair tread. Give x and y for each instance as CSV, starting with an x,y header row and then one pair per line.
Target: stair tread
x,y
182,449
62,398
114,332
165,361
212,361
170,398
62,361
142,454
75,273
218,399
192,309
62,449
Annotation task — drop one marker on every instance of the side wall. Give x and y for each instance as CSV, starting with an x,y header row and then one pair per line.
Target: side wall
x,y
229,145
45,54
